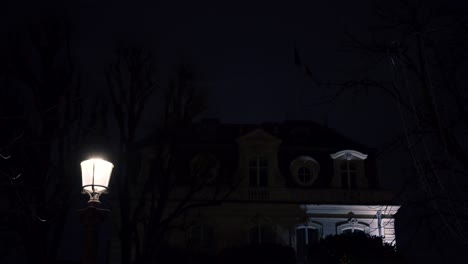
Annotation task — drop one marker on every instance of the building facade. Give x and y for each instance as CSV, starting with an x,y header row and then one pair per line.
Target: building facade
x,y
294,183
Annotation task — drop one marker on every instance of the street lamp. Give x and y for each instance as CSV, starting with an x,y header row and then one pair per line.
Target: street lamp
x,y
95,176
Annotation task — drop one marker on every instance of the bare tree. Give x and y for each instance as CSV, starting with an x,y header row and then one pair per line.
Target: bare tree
x,y
41,113
147,215
170,199
422,50
131,81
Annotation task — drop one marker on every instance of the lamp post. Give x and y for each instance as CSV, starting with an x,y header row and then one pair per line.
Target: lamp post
x,y
95,175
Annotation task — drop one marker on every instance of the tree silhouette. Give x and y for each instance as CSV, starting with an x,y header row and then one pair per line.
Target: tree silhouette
x,y
147,216
41,130
418,53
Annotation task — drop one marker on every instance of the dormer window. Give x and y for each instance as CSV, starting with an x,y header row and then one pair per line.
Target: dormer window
x,y
349,169
258,172
348,174
304,175
304,170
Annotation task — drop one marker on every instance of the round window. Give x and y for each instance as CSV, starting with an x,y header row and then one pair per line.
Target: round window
x,y
304,170
304,175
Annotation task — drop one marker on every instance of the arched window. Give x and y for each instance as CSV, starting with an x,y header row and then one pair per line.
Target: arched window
x,y
353,231
352,226
307,235
258,172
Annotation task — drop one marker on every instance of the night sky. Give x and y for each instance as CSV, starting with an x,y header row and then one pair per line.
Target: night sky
x,y
245,52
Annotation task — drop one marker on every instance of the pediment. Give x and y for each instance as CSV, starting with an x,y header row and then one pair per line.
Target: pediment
x,y
258,135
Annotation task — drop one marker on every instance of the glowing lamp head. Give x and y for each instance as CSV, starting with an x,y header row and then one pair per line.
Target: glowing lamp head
x,y
95,176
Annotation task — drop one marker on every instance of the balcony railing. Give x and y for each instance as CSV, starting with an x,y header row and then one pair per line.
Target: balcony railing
x,y
258,194
295,195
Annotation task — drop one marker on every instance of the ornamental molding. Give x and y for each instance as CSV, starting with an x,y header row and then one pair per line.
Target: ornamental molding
x,y
348,155
371,210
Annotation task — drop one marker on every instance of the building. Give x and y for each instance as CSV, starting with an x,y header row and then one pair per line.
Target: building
x,y
295,182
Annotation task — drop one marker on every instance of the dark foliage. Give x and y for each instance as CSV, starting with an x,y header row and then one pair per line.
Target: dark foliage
x,y
263,253
353,248
171,255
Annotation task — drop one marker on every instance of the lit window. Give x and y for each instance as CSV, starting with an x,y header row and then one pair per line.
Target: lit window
x,y
258,172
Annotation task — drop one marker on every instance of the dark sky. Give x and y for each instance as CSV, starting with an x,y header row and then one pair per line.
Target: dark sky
x,y
244,49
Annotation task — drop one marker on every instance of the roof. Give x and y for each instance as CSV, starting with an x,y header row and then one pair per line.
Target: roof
x,y
300,133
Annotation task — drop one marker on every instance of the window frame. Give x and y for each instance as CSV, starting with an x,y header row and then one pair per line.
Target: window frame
x,y
355,178
308,163
260,169
303,173
307,240
301,250
351,174
340,228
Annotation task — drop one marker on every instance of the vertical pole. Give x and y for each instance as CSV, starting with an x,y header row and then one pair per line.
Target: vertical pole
x,y
379,222
90,218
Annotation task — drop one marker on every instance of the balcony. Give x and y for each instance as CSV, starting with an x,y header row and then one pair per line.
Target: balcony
x,y
256,194
294,195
